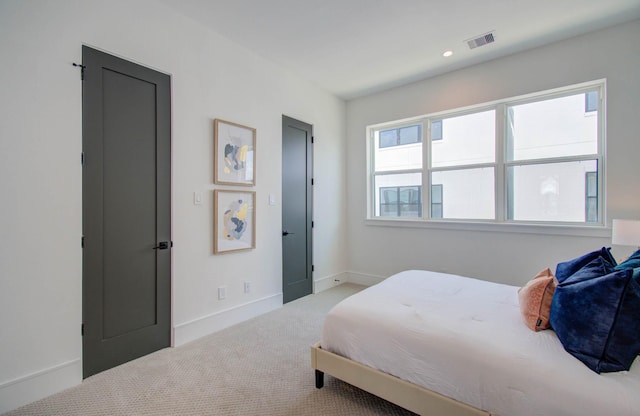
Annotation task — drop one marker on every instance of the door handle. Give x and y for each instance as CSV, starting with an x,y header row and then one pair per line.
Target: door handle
x,y
162,245
285,233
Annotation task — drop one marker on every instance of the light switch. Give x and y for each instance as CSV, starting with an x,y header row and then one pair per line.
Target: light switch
x,y
197,198
272,199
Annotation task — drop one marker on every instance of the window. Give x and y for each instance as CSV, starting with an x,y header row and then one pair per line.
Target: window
x,y
591,101
436,130
533,159
464,162
397,172
400,136
401,201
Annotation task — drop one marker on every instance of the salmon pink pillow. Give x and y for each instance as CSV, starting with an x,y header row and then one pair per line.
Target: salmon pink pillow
x,y
535,300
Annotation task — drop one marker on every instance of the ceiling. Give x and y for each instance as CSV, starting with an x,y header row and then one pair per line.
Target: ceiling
x,y
356,47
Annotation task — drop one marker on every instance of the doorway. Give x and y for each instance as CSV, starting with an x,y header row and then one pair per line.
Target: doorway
x,y
126,211
297,203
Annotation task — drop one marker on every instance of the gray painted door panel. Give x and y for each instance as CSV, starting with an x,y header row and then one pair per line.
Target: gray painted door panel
x,y
126,211
297,280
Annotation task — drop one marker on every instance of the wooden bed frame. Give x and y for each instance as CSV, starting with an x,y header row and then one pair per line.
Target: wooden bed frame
x,y
407,395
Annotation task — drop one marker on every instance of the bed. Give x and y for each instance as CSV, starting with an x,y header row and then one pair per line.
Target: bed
x,y
440,344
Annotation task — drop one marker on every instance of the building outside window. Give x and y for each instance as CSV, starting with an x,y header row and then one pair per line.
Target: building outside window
x,y
437,208
401,136
401,201
534,159
591,196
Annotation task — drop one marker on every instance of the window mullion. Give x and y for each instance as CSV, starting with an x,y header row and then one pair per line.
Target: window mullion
x,y
426,169
500,169
602,218
544,161
396,172
371,189
463,167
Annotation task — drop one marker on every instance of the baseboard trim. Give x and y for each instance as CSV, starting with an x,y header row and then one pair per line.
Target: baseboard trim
x,y
40,384
356,278
192,330
327,282
363,279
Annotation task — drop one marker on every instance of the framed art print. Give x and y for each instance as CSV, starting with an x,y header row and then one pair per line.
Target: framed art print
x,y
234,153
234,222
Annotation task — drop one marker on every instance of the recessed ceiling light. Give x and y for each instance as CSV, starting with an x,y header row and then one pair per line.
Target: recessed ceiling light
x,y
447,54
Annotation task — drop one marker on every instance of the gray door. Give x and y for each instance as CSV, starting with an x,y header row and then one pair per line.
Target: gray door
x,y
297,197
126,217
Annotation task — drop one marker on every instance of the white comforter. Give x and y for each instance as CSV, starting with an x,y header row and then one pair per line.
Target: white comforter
x,y
465,338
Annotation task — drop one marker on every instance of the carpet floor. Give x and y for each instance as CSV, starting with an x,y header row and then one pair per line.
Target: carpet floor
x,y
258,367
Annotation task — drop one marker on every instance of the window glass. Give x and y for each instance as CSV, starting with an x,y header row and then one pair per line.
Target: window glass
x,y
591,101
400,136
389,202
393,190
466,140
557,127
436,201
410,204
400,201
388,138
469,193
436,130
395,157
591,197
552,192
411,134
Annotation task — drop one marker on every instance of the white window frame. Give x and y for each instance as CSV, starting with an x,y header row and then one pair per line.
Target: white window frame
x,y
501,164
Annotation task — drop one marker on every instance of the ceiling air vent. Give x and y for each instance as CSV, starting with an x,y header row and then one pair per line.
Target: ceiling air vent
x,y
480,40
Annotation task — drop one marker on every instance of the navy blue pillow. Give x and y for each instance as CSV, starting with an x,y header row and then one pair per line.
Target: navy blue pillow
x,y
597,317
633,262
568,268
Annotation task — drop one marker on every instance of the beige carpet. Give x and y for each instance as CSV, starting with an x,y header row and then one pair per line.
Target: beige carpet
x,y
258,367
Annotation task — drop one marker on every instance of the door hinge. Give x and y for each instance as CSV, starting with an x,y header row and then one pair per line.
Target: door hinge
x,y
82,242
313,268
82,68
312,181
82,159
313,140
312,224
82,329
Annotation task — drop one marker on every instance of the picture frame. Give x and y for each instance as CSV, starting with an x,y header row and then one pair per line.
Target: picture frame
x,y
234,222
234,153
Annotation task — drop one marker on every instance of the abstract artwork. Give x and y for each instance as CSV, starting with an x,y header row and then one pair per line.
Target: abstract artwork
x,y
234,221
234,153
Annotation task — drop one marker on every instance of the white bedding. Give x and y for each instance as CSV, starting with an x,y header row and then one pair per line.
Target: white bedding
x,y
465,338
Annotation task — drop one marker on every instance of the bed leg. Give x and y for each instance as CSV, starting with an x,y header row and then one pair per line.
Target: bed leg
x,y
319,379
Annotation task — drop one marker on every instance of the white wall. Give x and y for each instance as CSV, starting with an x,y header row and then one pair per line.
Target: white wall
x,y
511,257
40,176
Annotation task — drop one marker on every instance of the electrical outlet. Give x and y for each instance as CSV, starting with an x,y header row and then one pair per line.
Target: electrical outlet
x,y
247,287
222,292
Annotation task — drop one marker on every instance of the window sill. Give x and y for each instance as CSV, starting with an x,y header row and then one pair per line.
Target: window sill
x,y
518,228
